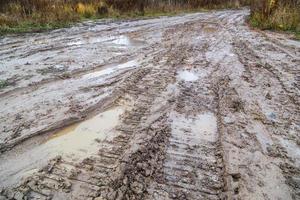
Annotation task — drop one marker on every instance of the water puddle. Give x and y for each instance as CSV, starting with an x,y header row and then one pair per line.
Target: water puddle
x,y
126,41
87,40
123,41
73,143
187,76
209,29
207,125
200,127
111,69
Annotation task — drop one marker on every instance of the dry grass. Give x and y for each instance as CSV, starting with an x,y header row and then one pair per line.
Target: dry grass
x,y
33,15
36,15
283,15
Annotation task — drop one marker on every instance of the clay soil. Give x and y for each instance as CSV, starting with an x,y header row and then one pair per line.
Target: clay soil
x,y
197,106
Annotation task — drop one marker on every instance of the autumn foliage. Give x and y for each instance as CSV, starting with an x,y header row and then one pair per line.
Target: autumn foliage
x,y
276,14
267,14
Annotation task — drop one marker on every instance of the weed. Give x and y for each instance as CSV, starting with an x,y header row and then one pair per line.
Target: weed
x,y
3,84
297,35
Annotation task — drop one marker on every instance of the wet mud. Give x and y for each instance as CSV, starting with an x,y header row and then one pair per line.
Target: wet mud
x,y
197,106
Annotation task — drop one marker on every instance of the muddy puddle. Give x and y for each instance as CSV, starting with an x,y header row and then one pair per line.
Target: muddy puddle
x,y
111,69
120,41
188,76
127,41
212,111
209,29
198,128
73,143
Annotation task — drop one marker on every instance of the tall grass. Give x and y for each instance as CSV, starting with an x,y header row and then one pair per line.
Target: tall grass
x,y
28,15
32,15
281,15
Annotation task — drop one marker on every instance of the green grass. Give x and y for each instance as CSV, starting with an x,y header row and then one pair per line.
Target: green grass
x,y
283,18
297,35
3,84
265,25
33,25
28,26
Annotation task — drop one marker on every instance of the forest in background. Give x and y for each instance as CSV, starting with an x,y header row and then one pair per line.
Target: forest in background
x,y
36,15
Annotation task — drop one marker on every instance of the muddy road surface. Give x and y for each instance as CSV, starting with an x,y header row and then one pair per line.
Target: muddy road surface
x,y
197,106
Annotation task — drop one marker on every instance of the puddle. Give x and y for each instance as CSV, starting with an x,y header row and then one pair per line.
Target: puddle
x,y
59,67
200,127
89,40
120,41
126,41
208,29
111,69
74,142
206,124
187,76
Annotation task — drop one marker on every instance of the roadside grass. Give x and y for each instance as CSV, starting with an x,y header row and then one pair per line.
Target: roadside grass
x,y
277,15
3,84
28,26
35,26
44,15
20,16
152,13
297,35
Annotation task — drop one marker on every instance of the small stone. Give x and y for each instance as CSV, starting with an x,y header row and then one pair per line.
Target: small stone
x,y
137,187
268,96
229,119
147,172
18,196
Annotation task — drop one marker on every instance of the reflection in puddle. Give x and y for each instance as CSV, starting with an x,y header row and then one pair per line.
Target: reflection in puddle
x,y
90,40
111,69
73,143
187,76
120,41
126,41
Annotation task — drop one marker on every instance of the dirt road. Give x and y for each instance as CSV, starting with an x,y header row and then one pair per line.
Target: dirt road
x,y
197,106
